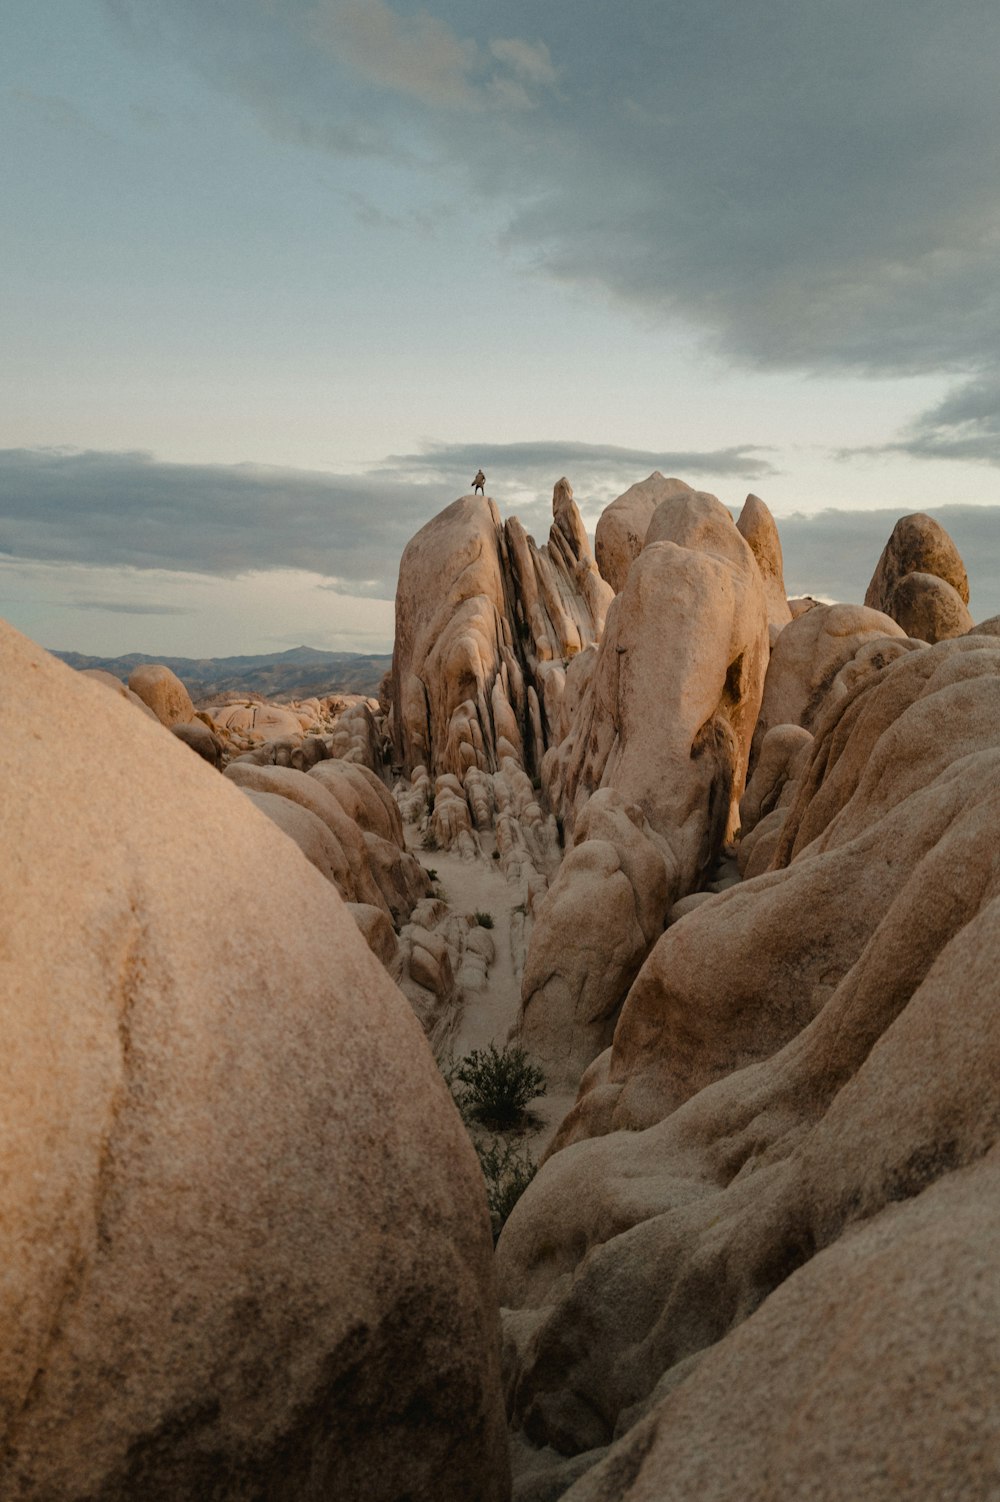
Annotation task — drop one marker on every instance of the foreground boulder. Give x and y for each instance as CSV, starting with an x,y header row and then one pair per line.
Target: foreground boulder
x,y
762,1259
245,1245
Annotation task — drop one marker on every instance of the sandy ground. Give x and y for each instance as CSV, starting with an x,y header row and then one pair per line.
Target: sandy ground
x,y
489,1016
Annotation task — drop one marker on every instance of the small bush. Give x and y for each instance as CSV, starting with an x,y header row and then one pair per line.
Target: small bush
x,y
429,841
507,1173
432,873
485,920
495,1085
496,855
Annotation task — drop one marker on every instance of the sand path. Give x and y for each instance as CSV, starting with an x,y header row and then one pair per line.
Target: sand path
x,y
489,1016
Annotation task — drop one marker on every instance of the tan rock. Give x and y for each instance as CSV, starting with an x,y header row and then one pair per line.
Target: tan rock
x,y
227,1272
201,740
98,675
344,857
479,609
376,929
918,545
664,727
811,1200
807,658
163,691
592,931
758,526
929,608
271,722
362,796
621,529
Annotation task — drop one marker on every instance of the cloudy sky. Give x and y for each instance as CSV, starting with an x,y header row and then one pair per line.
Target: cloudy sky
x,y
278,275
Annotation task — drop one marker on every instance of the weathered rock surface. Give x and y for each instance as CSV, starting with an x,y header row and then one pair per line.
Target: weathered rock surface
x,y
665,722
807,658
929,608
479,611
201,739
99,675
163,691
621,529
229,1270
337,848
781,1177
758,526
917,545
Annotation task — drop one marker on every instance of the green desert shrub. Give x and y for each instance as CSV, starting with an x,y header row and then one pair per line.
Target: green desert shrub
x,y
493,1086
507,1171
485,920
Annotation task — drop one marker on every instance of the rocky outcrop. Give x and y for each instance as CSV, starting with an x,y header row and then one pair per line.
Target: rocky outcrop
x,y
918,545
163,691
808,658
346,824
99,675
203,741
621,529
757,525
665,722
929,608
780,1177
481,613
227,1270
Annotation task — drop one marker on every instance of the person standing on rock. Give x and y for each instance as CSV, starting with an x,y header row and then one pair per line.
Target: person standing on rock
x,y
478,483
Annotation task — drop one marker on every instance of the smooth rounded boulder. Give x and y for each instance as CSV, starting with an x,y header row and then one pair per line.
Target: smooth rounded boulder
x,y
245,1242
160,688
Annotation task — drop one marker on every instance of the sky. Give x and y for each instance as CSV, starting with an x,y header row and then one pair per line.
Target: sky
x,y
277,277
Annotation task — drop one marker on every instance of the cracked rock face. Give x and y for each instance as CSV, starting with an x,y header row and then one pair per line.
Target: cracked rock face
x,y
227,1272
482,616
659,743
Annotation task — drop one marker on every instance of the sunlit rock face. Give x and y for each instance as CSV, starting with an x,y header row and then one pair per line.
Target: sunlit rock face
x,y
782,1177
245,1243
622,526
663,728
482,616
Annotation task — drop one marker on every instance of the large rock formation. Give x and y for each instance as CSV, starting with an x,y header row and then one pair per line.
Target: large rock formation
x,y
920,580
762,1258
245,1246
665,724
808,658
757,525
621,529
482,615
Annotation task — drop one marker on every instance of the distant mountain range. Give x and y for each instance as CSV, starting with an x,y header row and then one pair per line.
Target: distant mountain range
x,y
300,673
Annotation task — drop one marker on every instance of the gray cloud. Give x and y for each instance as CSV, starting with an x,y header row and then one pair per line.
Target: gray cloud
x,y
584,463
834,553
114,509
964,426
125,607
812,186
128,510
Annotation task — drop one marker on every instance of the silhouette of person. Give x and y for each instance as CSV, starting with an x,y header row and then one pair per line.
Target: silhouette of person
x,y
478,483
